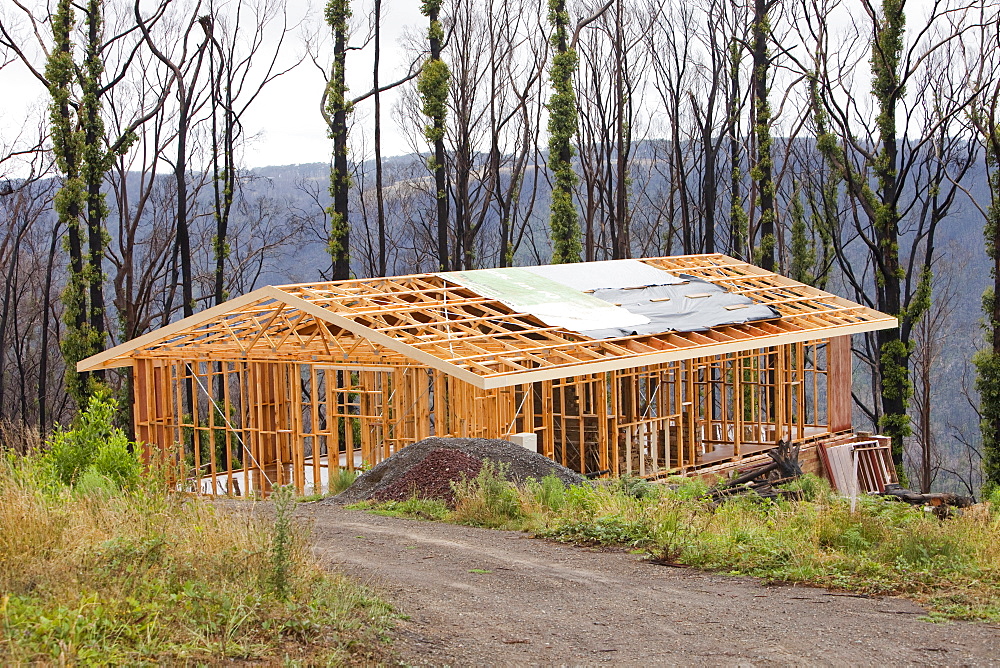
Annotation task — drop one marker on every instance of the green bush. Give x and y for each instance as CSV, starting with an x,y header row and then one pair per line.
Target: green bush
x,y
813,488
637,488
94,448
341,479
687,488
489,499
551,493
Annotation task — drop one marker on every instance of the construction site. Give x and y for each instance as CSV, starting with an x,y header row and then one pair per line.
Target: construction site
x,y
652,367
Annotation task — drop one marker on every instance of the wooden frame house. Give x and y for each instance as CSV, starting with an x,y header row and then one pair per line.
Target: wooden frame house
x,y
632,367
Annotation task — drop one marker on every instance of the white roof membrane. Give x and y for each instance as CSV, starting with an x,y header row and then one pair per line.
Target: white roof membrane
x,y
611,299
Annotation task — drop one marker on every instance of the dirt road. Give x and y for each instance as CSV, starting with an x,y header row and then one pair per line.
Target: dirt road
x,y
476,597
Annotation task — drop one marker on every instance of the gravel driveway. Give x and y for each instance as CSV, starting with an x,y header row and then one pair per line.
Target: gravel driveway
x,y
482,597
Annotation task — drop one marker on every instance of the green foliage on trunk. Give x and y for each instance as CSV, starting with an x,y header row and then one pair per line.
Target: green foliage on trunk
x,y
433,85
68,145
803,249
761,172
338,108
563,221
987,361
987,364
739,221
433,88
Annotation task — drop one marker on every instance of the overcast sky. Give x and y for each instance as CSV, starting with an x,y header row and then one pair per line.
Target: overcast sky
x,y
285,119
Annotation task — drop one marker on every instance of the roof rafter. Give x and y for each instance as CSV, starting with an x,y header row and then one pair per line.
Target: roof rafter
x,y
428,320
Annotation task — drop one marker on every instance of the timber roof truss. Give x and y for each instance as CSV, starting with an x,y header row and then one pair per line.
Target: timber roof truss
x,y
427,320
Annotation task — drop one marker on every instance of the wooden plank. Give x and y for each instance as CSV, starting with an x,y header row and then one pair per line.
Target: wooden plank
x,y
838,379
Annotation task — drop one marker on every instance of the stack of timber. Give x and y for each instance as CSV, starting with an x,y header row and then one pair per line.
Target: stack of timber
x,y
862,464
761,481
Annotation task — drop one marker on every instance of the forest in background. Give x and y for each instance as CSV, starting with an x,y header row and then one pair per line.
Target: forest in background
x,y
850,145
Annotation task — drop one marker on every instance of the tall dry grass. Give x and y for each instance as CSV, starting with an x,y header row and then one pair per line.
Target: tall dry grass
x,y
146,577
19,437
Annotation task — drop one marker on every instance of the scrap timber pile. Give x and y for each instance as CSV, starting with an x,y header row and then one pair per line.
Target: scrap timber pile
x,y
761,481
427,468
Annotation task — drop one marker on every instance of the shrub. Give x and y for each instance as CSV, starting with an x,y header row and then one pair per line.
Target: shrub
x,y
813,488
637,488
550,494
489,499
94,447
687,488
341,480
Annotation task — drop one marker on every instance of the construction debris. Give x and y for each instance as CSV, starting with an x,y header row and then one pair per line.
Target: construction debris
x,y
761,481
861,465
940,503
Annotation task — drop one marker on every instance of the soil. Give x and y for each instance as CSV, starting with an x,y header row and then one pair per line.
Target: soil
x,y
433,477
481,597
521,464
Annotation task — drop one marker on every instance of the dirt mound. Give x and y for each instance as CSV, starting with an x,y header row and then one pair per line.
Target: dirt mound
x,y
432,478
521,464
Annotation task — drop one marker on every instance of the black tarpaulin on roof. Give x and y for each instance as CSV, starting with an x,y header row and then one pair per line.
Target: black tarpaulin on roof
x,y
692,306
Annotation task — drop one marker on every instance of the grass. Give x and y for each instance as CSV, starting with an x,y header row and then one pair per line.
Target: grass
x,y
100,574
881,547
413,508
340,479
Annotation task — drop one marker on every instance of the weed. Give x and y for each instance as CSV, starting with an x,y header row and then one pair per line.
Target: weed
x,y
549,494
281,541
813,488
342,479
637,488
413,508
487,500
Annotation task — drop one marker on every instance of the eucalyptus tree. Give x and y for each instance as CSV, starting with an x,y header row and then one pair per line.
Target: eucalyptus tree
x,y
762,171
433,85
563,221
900,182
338,108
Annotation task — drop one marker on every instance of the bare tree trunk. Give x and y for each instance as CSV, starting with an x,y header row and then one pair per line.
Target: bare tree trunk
x,y
43,363
379,195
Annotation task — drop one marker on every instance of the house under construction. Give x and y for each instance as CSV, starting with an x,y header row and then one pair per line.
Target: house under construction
x,y
627,367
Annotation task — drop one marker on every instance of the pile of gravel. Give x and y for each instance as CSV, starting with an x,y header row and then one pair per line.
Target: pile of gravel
x,y
432,478
521,465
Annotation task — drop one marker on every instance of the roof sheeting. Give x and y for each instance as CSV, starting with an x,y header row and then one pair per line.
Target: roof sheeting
x,y
605,274
552,302
428,320
614,298
692,305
